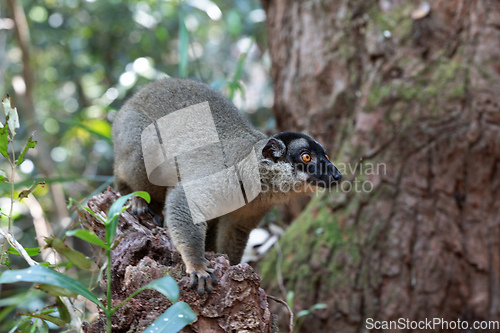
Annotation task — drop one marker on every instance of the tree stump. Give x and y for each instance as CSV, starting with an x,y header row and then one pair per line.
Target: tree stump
x,y
145,253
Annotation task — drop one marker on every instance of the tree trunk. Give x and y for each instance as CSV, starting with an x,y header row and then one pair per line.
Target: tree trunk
x,y
404,95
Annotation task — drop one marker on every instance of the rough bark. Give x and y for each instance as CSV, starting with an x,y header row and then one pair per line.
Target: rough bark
x,y
146,253
417,91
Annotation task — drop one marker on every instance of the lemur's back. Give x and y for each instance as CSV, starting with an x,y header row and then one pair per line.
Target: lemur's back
x,y
162,98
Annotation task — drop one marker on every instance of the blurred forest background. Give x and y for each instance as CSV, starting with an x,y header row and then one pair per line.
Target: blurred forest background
x,y
71,64
412,85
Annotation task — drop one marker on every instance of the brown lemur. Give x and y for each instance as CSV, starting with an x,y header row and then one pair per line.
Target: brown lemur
x,y
287,164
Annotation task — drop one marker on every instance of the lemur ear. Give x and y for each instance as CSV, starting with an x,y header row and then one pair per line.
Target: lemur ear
x,y
274,149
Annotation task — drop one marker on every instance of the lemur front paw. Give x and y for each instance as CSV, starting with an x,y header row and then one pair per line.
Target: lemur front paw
x,y
140,207
203,278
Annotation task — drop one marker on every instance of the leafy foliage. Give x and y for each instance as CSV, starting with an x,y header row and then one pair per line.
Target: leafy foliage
x,y
44,275
57,284
86,58
29,144
89,56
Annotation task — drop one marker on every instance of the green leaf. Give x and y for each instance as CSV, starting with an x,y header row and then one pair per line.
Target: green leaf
x,y
32,251
88,210
29,144
173,320
310,310
75,257
5,311
87,236
167,286
56,291
40,274
302,313
234,85
24,194
4,141
22,326
11,115
290,295
32,324
73,202
5,261
24,297
99,127
115,211
57,321
317,307
233,88
3,176
234,22
42,325
63,310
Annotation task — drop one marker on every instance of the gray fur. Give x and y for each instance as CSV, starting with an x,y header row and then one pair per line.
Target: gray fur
x,y
229,233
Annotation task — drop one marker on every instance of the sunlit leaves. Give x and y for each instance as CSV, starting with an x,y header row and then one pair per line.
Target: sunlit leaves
x,y
97,126
56,291
178,315
11,115
31,251
3,176
24,193
173,320
29,144
4,141
87,236
167,286
44,275
8,130
76,258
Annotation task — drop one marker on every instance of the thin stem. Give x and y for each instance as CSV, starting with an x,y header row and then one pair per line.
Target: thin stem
x,y
12,169
16,245
109,311
290,323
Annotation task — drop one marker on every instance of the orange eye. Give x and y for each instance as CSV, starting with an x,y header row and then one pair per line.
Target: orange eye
x,y
306,157
327,157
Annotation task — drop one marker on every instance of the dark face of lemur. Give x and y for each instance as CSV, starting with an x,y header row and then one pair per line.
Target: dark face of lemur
x,y
308,157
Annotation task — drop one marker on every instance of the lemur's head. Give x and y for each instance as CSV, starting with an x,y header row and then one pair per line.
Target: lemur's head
x,y
309,159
